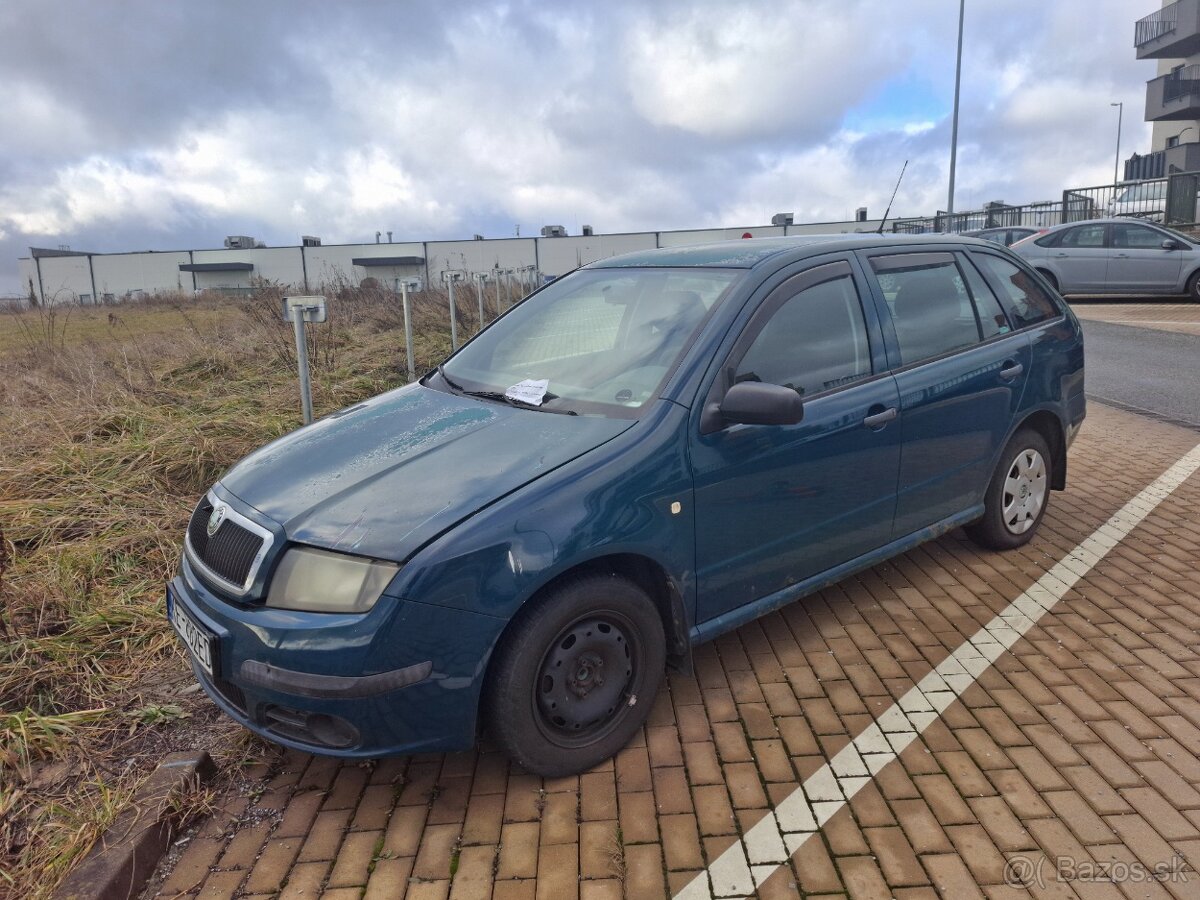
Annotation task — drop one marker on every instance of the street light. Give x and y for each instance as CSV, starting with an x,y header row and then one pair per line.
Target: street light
x,y
1176,137
1120,114
954,126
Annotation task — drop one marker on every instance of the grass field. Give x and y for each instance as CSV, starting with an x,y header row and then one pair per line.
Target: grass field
x,y
113,422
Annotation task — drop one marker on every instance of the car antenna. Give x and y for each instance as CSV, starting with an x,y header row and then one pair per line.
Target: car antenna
x,y
889,207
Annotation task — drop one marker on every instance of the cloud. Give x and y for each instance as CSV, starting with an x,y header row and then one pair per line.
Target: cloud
x,y
158,125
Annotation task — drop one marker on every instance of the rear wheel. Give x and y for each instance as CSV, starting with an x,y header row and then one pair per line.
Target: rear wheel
x,y
1049,276
1193,287
1017,496
577,676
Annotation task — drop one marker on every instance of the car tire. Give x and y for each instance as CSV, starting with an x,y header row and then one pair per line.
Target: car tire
x,y
1049,276
1193,287
1017,495
577,675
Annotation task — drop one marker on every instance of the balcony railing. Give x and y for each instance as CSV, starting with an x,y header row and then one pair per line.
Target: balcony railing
x,y
1156,24
1184,83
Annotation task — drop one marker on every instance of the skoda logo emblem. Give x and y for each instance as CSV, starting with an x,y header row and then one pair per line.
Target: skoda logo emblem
x,y
215,520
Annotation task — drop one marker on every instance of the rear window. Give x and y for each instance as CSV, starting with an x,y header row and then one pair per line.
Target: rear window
x,y
1020,295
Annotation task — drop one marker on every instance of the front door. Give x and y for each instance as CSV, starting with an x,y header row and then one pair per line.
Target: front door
x,y
1139,263
776,505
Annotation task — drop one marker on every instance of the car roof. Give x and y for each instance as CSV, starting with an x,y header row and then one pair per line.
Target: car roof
x,y
1121,220
747,253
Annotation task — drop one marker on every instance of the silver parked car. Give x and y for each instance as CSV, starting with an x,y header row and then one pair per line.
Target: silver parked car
x,y
1003,234
1115,256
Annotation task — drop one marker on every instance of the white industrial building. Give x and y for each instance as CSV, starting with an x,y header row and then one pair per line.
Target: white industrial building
x,y
68,276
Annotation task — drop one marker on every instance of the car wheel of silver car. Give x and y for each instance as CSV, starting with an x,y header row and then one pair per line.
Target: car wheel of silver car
x,y
1193,287
577,675
1017,496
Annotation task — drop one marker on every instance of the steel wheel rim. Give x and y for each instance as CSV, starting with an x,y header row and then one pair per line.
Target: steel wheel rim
x,y
1024,491
586,678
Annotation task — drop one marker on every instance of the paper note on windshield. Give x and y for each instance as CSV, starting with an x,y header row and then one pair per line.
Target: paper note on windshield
x,y
528,391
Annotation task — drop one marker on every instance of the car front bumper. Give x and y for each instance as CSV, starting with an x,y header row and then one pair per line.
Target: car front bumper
x,y
403,678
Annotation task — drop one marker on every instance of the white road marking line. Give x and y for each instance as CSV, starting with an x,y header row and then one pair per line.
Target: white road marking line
x,y
748,863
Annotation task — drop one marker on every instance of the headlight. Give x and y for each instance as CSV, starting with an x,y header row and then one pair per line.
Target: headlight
x,y
321,581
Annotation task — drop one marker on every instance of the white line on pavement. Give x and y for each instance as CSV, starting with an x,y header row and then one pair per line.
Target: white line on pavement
x,y
784,830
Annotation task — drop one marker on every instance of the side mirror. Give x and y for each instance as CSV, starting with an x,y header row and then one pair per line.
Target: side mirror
x,y
1170,244
755,403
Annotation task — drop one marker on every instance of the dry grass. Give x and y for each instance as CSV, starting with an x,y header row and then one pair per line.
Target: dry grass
x,y
110,429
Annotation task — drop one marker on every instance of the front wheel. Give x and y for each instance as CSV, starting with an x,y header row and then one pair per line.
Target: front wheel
x,y
1017,496
577,676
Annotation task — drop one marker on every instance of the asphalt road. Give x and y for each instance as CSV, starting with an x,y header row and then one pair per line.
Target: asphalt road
x,y
1144,370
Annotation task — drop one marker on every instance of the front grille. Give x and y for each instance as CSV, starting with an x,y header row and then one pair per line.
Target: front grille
x,y
230,552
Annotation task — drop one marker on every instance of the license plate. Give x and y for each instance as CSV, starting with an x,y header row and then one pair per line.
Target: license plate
x,y
197,638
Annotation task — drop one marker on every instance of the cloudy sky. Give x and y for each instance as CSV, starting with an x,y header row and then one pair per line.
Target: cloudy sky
x,y
149,125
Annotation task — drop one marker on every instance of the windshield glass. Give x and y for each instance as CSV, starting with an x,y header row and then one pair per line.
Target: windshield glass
x,y
1156,190
603,340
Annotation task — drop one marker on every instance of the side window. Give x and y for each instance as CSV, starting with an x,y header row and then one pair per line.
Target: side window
x,y
1137,237
816,340
1025,302
1083,236
930,306
994,236
992,320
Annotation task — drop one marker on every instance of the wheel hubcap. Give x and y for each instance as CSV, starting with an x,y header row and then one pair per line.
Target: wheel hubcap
x,y
585,677
1025,489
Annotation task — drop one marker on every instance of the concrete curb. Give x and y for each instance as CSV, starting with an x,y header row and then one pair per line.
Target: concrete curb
x,y
120,863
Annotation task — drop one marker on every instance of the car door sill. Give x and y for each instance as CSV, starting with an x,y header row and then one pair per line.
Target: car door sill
x,y
735,618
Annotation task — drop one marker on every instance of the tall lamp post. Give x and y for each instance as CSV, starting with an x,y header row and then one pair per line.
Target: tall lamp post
x,y
1181,134
1116,162
954,125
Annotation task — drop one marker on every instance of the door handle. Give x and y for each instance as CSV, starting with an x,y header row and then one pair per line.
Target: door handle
x,y
879,419
1122,256
1060,255
1011,370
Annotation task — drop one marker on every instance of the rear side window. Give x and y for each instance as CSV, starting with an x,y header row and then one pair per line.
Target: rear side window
x,y
1023,299
929,302
992,320
815,341
1083,236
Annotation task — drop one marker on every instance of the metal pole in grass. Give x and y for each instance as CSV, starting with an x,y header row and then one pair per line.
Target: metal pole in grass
x,y
408,348
453,314
508,287
498,273
479,278
299,310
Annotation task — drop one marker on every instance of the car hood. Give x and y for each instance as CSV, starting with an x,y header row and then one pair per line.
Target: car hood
x,y
384,477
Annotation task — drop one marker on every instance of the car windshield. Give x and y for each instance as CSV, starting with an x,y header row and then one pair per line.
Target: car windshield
x,y
1155,190
598,341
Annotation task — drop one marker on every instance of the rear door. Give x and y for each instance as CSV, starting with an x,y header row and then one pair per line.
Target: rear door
x,y
1139,263
1079,258
960,369
776,504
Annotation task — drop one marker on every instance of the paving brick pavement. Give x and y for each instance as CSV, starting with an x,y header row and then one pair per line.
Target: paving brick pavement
x,y
1073,762
1182,318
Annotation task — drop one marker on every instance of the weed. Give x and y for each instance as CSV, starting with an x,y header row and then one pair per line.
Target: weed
x,y
615,851
110,430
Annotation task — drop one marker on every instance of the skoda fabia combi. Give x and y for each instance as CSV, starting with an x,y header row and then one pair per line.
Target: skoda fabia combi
x,y
646,453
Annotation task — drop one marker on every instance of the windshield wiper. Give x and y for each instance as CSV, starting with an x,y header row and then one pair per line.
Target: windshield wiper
x,y
502,398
